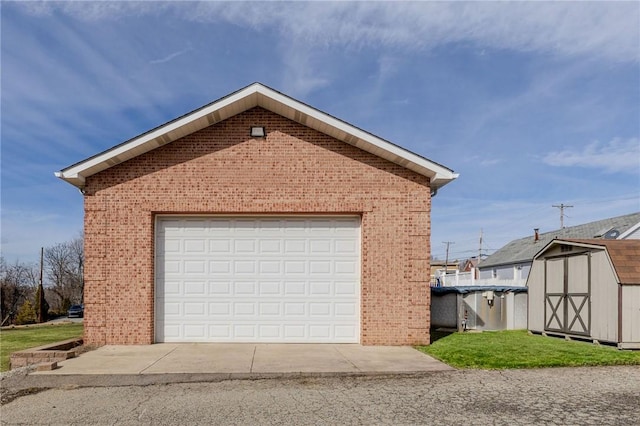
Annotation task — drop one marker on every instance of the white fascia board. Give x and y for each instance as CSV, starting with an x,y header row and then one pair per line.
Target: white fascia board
x,y
439,175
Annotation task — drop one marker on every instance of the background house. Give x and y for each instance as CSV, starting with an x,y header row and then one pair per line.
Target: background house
x,y
588,289
512,263
257,218
441,267
497,298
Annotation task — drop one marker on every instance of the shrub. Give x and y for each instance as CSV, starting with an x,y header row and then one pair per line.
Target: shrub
x,y
26,314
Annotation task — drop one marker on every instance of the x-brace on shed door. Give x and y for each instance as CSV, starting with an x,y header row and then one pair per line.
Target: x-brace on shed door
x,y
567,294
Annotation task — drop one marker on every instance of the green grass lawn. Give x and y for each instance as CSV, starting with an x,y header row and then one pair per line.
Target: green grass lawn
x,y
17,339
518,349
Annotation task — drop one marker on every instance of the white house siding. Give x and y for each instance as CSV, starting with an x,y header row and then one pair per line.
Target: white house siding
x,y
507,272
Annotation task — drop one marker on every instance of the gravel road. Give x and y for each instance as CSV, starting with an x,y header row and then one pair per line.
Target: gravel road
x,y
580,396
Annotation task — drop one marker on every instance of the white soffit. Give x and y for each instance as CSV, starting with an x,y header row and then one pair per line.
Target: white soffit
x,y
243,100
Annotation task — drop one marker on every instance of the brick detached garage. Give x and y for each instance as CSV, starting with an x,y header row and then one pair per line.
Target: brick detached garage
x,y
206,229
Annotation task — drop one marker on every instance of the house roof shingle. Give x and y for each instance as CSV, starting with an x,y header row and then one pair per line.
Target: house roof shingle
x,y
524,249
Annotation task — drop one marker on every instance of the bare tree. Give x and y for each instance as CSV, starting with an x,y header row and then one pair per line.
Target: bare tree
x,y
17,284
64,263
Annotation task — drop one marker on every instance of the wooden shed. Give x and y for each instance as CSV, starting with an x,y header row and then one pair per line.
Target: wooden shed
x,y
587,289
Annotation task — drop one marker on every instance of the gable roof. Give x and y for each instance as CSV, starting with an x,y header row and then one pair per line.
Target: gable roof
x,y
256,95
524,249
623,254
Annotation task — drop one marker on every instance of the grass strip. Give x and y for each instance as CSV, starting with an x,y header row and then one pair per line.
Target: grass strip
x,y
20,338
497,350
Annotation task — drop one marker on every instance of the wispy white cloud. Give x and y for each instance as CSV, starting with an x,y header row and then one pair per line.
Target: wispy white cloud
x,y
300,76
482,160
598,29
170,56
617,155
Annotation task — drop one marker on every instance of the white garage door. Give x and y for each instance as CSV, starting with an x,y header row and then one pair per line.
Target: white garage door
x,y
247,279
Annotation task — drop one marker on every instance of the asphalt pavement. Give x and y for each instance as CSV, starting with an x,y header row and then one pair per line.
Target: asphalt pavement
x,y
580,396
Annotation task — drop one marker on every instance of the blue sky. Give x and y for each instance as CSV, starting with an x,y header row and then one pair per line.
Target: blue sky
x,y
533,103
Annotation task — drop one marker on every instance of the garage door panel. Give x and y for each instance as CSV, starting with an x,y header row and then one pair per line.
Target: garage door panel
x,y
268,246
270,267
194,331
220,246
219,288
295,267
269,288
292,309
218,267
346,246
294,288
195,288
258,280
346,267
220,309
319,288
197,267
295,246
270,309
346,332
245,331
244,246
318,267
346,288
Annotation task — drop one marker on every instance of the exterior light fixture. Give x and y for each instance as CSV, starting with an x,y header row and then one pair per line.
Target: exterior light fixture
x,y
258,132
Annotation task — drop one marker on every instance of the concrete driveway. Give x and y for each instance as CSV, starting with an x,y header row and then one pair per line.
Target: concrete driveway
x,y
242,359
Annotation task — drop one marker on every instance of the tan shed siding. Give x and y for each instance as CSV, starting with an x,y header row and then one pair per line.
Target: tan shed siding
x,y
535,283
604,299
631,315
294,170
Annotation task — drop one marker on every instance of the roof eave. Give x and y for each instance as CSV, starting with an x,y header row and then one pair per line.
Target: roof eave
x,y
251,96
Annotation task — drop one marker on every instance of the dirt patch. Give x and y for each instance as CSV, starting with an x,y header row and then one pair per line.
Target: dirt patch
x,y
6,396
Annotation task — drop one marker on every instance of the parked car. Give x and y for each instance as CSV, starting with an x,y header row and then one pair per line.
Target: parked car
x,y
76,311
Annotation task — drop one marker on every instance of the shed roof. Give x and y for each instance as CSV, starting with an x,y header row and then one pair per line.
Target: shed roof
x,y
256,95
524,249
624,255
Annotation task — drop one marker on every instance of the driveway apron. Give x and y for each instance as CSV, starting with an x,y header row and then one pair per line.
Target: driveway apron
x,y
247,358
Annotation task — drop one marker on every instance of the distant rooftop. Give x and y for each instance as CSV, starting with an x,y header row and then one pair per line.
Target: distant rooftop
x,y
524,249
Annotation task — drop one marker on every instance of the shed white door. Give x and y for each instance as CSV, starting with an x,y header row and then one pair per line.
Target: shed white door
x,y
248,279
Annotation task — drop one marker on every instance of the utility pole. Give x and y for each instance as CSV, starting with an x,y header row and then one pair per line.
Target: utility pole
x,y
446,262
480,248
40,300
561,207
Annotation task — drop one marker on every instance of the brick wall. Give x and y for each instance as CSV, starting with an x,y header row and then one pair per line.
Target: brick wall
x,y
295,170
